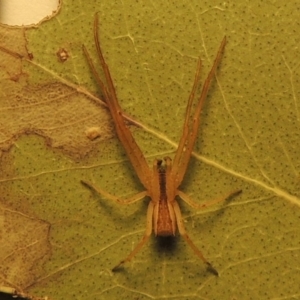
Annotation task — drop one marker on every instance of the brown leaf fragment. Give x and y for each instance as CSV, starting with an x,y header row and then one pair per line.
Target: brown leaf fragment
x,y
24,247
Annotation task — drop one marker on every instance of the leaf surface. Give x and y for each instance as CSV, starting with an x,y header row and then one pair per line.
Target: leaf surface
x,y
248,139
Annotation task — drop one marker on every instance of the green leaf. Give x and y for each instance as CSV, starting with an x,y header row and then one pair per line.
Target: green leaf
x,y
248,140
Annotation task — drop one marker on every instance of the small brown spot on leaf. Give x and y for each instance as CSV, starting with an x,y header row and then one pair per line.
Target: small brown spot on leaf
x,y
24,245
93,132
62,55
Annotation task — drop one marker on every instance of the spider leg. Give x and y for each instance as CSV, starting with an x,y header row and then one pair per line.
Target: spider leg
x,y
184,234
142,242
132,149
109,196
191,124
185,133
186,198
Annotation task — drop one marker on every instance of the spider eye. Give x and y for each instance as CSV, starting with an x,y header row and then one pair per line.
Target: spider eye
x,y
159,162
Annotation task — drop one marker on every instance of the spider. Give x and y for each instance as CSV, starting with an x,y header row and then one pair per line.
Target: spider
x,y
162,181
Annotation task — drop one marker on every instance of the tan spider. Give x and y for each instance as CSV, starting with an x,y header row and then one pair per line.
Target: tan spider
x,y
162,181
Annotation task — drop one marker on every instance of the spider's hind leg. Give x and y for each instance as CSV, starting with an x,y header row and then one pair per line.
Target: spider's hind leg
x,y
184,234
143,241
